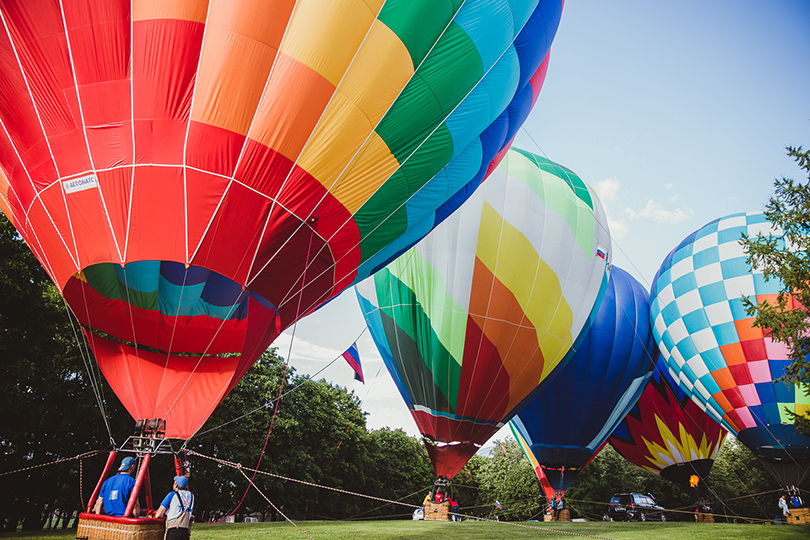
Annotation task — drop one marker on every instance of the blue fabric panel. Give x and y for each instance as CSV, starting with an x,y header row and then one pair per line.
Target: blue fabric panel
x,y
707,256
737,309
696,321
141,276
713,358
729,235
710,384
671,314
493,33
177,274
725,333
684,284
734,267
543,21
771,286
687,347
711,294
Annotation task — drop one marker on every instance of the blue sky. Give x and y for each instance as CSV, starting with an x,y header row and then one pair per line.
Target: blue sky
x,y
677,113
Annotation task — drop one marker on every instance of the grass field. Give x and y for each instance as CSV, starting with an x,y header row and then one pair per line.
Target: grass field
x,y
473,530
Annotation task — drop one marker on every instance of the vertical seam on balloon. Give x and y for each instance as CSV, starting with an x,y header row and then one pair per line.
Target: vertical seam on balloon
x,y
295,162
48,144
128,226
86,140
184,164
362,145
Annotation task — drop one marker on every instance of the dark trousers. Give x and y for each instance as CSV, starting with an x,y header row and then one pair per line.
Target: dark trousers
x,y
178,533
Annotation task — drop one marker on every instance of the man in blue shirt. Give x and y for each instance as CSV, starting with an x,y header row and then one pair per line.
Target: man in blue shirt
x,y
115,491
177,506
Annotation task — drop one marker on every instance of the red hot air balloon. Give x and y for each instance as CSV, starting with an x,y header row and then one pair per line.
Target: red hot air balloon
x,y
197,175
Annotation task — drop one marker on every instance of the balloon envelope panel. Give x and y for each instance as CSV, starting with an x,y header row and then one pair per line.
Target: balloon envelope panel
x,y
478,314
568,421
710,345
279,146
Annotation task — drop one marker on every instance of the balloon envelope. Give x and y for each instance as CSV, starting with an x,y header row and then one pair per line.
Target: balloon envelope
x,y
195,176
567,423
667,434
478,314
714,352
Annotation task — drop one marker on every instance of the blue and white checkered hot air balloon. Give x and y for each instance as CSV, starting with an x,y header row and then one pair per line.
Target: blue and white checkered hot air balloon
x,y
714,352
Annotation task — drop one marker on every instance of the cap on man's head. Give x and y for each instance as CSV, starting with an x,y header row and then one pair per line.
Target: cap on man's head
x,y
181,481
126,463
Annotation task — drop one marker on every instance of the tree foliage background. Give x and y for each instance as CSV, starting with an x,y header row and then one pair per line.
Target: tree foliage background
x,y
787,259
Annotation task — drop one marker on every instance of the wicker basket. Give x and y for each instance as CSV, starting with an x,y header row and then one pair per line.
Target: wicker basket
x,y
437,511
101,527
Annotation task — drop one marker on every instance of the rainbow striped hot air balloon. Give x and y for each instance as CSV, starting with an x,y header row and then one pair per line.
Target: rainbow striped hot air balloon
x,y
714,352
477,315
196,175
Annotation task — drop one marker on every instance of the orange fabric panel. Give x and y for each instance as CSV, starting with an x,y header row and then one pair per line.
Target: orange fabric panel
x,y
4,201
236,65
503,322
722,400
733,353
724,378
185,10
54,251
746,331
257,19
89,222
285,118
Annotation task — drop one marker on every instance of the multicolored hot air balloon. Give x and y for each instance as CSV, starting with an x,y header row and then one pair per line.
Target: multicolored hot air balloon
x,y
568,422
714,352
196,175
667,434
480,312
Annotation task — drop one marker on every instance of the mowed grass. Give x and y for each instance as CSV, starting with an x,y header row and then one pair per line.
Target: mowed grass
x,y
474,530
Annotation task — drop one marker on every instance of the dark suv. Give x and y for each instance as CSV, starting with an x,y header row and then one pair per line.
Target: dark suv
x,y
634,507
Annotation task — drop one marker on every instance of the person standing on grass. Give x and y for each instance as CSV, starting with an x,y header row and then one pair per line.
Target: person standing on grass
x,y
177,506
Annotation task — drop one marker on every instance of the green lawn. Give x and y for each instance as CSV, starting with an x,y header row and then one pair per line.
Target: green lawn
x,y
472,530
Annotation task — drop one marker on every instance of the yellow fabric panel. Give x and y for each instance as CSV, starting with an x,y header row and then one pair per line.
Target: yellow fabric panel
x,y
235,66
291,107
370,169
326,35
183,10
541,298
378,74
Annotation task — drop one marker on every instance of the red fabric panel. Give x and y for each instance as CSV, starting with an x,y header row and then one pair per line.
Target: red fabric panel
x,y
260,334
166,54
213,149
44,239
37,31
99,42
88,221
734,398
484,383
151,328
448,460
157,228
754,350
183,390
741,374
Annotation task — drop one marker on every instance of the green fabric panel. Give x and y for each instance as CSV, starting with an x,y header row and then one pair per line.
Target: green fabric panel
x,y
388,203
424,365
418,31
448,320
560,194
571,178
445,77
103,279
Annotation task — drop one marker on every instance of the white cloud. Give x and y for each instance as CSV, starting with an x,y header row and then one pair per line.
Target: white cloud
x,y
608,189
658,213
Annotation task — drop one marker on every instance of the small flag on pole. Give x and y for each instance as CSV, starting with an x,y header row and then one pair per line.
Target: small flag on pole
x,y
498,505
353,358
503,449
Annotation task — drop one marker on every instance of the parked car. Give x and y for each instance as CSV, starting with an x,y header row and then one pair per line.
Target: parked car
x,y
634,507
